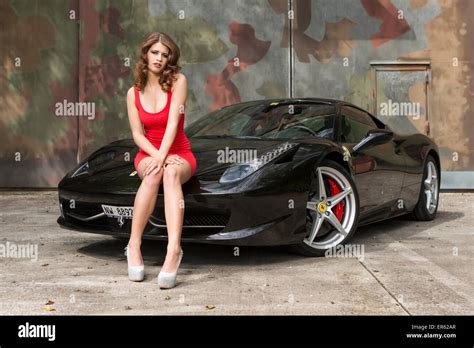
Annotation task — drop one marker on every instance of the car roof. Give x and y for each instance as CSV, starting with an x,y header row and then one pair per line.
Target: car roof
x,y
326,101
301,100
290,100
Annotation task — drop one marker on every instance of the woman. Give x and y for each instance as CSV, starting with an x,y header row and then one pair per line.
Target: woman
x,y
155,107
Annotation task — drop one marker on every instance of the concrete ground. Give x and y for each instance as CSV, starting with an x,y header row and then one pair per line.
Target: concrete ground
x,y
408,267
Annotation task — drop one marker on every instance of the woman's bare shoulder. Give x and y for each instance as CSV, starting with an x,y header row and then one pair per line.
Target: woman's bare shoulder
x,y
131,93
180,76
180,79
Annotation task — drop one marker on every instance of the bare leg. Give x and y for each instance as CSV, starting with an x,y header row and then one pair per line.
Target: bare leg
x,y
145,201
173,177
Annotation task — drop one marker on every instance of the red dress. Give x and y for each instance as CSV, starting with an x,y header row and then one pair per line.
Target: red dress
x,y
155,126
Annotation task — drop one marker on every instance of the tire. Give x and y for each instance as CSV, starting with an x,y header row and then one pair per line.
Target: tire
x,y
320,214
429,191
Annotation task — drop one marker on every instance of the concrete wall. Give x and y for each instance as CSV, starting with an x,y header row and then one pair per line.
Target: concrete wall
x,y
55,51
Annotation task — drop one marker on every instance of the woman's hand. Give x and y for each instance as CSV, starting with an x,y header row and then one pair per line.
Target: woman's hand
x,y
174,159
155,164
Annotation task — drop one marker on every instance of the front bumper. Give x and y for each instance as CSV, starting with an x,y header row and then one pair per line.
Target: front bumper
x,y
249,218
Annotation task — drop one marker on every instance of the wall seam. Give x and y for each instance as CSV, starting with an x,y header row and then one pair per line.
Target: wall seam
x,y
290,53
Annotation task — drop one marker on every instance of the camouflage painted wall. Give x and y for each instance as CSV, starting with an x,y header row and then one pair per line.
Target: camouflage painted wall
x,y
336,42
39,61
59,51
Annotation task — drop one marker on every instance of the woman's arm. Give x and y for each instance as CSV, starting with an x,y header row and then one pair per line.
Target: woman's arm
x,y
136,126
178,101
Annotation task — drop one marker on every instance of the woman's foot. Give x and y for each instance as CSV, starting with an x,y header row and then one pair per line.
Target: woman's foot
x,y
136,269
134,254
171,261
169,271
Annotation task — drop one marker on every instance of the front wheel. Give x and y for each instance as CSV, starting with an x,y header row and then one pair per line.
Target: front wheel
x,y
332,210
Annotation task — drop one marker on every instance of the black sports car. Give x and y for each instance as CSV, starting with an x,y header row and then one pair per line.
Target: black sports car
x,y
300,172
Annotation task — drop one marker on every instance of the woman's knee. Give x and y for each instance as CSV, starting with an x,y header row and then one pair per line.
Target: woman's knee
x,y
153,180
170,175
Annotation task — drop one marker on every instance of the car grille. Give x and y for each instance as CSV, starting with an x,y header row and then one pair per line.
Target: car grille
x,y
195,219
91,212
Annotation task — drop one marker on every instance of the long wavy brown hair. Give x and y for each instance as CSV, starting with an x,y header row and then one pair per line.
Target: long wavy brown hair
x,y
168,75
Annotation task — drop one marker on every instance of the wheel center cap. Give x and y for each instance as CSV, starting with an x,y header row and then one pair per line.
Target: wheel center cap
x,y
322,208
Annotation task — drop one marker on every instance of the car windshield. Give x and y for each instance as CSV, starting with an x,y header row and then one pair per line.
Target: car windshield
x,y
267,120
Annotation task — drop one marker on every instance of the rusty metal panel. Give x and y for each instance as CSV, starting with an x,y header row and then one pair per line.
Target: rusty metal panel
x,y
401,96
335,42
39,57
320,48
85,65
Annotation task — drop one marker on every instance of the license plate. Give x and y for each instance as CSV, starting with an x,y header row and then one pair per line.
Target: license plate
x,y
113,211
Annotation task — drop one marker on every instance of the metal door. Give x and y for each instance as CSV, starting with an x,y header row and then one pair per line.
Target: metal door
x,y
400,95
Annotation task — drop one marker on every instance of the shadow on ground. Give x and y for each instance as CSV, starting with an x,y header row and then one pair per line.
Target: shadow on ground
x,y
154,252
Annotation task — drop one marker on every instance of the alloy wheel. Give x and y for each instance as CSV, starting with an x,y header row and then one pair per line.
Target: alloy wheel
x,y
331,211
430,185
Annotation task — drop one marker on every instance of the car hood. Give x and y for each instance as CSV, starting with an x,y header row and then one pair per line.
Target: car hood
x,y
212,158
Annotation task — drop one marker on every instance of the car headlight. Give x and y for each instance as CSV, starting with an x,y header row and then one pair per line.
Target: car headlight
x,y
241,171
82,169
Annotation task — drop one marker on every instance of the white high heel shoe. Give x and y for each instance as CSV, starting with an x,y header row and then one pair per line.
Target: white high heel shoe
x,y
135,273
167,280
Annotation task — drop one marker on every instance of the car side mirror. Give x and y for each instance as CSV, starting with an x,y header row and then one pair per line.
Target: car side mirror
x,y
374,137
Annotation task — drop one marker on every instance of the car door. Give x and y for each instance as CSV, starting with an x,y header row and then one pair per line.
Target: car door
x,y
378,169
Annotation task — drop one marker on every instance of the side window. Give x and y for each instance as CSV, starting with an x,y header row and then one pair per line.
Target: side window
x,y
355,124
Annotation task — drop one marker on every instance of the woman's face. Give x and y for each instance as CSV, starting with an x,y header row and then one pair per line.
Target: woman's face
x,y
157,56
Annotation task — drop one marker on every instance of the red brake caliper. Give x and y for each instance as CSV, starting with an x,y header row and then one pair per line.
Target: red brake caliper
x,y
339,208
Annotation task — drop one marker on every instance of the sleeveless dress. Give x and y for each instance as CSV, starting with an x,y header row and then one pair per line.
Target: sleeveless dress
x,y
155,126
